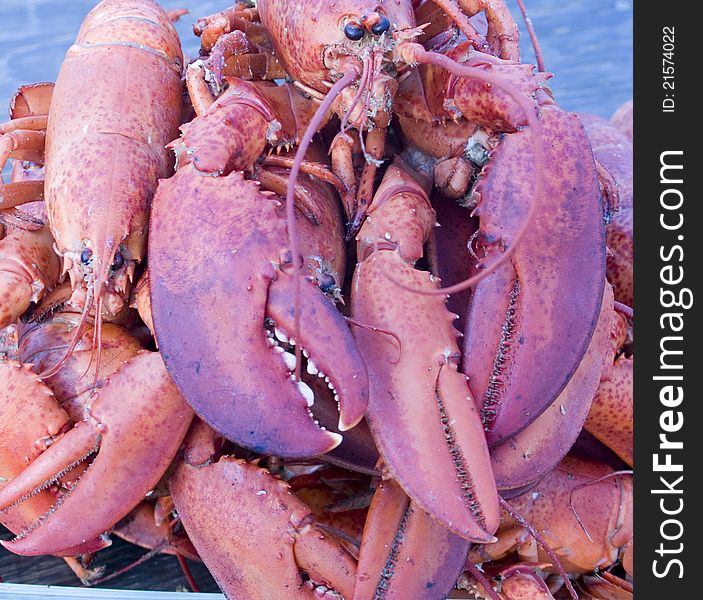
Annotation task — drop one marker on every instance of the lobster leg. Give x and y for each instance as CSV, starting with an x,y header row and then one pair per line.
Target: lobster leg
x,y
31,100
21,144
578,496
502,30
140,528
613,151
520,582
611,415
28,268
18,193
605,585
136,411
238,17
265,115
375,144
23,138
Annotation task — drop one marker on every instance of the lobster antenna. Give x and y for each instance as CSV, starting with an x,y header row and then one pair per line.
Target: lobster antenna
x,y
478,575
78,333
315,123
387,332
535,127
542,542
533,36
587,484
187,573
141,560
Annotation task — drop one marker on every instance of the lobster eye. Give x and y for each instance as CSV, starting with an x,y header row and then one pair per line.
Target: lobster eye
x,y
86,255
327,283
354,31
381,26
118,262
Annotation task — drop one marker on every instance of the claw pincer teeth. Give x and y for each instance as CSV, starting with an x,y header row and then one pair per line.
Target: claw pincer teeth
x,y
285,347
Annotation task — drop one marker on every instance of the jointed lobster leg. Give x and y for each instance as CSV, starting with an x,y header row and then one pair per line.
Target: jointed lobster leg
x,y
503,34
23,138
611,415
613,151
28,268
583,512
21,145
239,17
420,409
520,582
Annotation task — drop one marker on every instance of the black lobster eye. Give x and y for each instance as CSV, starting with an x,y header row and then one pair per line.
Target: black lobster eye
x,y
354,31
118,262
381,26
86,255
327,283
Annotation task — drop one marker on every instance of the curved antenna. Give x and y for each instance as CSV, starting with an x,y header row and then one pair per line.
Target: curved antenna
x,y
542,542
533,36
315,123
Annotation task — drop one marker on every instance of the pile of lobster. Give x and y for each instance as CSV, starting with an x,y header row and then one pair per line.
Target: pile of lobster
x,y
329,308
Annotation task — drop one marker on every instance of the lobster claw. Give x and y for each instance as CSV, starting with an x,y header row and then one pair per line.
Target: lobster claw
x,y
237,372
541,309
529,455
136,410
228,506
411,551
25,399
420,412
